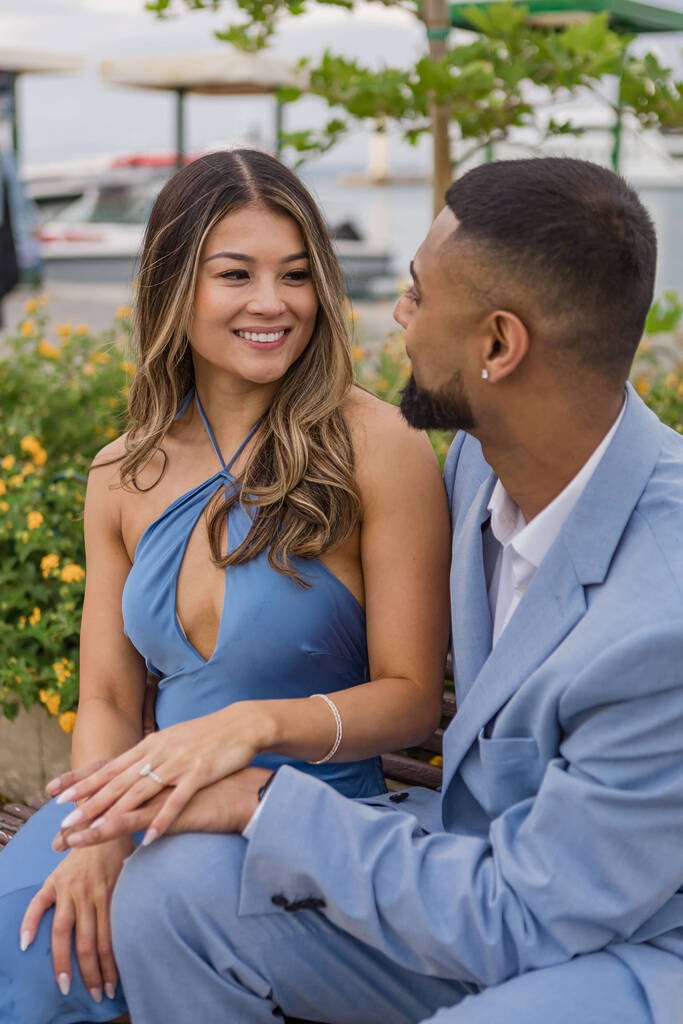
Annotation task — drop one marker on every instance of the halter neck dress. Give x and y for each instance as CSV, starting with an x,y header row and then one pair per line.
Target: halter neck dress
x,y
276,639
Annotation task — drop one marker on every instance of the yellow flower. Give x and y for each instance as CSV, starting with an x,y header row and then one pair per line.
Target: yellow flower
x,y
357,353
30,444
88,369
123,312
72,573
28,328
43,694
47,350
48,564
52,703
40,457
680,390
3,487
16,480
100,357
35,616
34,520
63,330
437,761
8,462
22,621
642,386
67,720
671,380
28,468
62,670
23,537
31,305
110,432
127,367
82,329
4,506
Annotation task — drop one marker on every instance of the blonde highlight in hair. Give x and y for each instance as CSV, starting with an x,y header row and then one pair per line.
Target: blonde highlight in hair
x,y
299,473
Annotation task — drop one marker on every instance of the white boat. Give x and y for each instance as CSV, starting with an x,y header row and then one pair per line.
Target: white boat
x,y
96,233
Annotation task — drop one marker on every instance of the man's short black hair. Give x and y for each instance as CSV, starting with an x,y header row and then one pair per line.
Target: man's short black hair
x,y
576,239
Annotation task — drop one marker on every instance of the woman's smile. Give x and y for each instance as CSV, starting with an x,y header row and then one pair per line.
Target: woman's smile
x,y
260,337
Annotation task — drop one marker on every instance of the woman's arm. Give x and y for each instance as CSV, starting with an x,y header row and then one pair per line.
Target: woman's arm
x,y
108,722
405,556
112,673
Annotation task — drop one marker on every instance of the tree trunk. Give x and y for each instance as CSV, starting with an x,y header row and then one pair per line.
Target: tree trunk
x,y
436,18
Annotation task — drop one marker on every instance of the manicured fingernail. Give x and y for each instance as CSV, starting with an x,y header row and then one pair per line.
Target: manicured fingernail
x,y
72,819
53,786
25,940
150,835
96,994
66,796
98,822
76,839
110,990
64,982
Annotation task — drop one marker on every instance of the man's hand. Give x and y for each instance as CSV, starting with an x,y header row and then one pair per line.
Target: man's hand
x,y
223,806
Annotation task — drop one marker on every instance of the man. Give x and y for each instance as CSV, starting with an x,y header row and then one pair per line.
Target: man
x,y
545,884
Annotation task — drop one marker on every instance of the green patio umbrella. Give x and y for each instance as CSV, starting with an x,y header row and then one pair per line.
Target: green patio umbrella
x,y
630,17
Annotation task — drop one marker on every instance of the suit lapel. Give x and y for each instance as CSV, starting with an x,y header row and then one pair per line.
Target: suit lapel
x,y
470,605
551,607
555,600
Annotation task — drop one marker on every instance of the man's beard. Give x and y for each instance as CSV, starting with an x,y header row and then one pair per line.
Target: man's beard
x,y
447,409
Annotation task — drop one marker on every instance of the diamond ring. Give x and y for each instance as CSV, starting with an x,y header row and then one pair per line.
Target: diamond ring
x,y
147,770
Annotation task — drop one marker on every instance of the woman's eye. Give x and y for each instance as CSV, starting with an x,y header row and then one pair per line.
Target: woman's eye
x,y
298,275
411,295
234,275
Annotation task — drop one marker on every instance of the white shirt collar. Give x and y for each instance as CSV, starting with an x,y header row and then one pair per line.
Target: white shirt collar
x,y
533,540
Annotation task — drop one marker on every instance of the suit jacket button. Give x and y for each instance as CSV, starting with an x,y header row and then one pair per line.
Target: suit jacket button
x,y
398,798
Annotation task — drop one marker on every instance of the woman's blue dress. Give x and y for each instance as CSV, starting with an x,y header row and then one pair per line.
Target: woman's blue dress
x,y
276,639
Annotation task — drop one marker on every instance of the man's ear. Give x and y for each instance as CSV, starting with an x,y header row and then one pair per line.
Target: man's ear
x,y
506,347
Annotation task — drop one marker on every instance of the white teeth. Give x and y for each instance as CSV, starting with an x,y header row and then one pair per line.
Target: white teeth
x,y
262,338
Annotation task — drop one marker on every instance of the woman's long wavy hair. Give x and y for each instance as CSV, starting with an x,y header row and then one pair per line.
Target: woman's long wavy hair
x,y
299,474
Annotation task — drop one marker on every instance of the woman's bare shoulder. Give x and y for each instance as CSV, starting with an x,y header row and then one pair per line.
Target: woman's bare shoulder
x,y
385,445
374,424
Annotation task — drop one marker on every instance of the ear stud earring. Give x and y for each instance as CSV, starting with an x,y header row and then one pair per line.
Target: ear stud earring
x,y
484,374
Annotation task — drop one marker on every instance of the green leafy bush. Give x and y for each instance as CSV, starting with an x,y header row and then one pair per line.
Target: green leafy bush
x,y
63,396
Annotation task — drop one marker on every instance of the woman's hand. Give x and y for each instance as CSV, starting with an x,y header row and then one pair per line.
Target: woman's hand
x,y
181,760
80,890
225,806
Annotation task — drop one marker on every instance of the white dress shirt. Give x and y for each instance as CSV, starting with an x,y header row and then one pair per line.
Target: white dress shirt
x,y
523,546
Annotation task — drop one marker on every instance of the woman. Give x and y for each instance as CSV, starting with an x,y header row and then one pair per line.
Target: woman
x,y
268,539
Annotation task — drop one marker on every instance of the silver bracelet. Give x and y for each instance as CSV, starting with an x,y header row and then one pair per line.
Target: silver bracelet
x,y
338,722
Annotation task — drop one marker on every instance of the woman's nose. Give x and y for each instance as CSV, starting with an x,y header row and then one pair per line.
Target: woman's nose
x,y
267,300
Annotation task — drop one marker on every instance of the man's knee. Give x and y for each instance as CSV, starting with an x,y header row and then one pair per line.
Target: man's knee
x,y
180,882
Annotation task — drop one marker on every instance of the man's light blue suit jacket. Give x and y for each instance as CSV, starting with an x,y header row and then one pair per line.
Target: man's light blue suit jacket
x,y
559,830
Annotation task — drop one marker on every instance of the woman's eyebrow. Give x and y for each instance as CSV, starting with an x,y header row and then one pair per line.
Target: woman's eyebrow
x,y
413,274
244,258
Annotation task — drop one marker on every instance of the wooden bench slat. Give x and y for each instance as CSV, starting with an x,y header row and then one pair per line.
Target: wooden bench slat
x,y
410,772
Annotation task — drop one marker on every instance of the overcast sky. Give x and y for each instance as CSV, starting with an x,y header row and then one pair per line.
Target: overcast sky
x,y
72,116
77,115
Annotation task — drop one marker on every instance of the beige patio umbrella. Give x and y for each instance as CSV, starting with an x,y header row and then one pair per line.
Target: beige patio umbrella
x,y
227,72
16,61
